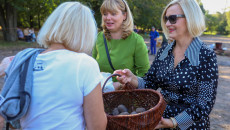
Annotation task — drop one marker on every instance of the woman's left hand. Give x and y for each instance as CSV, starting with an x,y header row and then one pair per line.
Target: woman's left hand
x,y
164,123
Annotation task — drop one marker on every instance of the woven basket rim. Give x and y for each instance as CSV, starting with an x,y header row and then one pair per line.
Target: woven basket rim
x,y
161,100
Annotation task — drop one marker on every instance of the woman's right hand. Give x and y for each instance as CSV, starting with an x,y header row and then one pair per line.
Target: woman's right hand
x,y
127,77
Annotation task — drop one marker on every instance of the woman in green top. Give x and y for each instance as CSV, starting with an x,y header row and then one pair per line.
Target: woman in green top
x,y
126,48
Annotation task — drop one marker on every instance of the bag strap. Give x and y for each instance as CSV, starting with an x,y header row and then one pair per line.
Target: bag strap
x,y
107,52
22,92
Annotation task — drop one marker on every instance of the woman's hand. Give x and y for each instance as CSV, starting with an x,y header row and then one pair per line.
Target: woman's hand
x,y
164,123
4,64
127,77
117,85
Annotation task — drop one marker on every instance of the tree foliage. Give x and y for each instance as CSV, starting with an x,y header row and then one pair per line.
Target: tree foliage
x,y
228,21
146,13
25,13
219,23
34,12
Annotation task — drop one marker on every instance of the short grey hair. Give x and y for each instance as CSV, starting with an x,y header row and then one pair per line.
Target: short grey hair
x,y
71,24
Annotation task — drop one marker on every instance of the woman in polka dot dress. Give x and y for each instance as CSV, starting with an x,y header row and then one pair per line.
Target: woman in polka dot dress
x,y
186,69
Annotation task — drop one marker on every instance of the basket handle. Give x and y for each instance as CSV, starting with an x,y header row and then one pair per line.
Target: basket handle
x,y
127,86
108,80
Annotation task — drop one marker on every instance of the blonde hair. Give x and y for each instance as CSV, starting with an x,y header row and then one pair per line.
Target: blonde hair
x,y
71,24
193,14
114,6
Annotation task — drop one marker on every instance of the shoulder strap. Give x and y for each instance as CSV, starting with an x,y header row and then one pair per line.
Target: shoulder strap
x,y
107,52
22,92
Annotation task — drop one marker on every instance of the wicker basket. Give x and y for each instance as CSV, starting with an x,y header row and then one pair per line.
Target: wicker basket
x,y
151,100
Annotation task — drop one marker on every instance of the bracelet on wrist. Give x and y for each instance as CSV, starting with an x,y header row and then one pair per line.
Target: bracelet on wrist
x,y
174,122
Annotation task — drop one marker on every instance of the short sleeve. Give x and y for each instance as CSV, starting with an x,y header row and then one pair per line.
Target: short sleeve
x,y
90,74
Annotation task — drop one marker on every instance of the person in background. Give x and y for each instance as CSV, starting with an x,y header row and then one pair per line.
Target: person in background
x,y
20,34
27,34
64,69
135,29
32,34
127,49
153,40
186,69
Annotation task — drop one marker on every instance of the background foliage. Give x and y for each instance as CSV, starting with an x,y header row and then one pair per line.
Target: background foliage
x,y
146,13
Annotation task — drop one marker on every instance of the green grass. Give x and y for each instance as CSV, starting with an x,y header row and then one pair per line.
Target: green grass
x,y
20,44
209,33
215,34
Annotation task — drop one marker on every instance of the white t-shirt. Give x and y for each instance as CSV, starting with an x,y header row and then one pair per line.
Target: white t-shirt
x,y
61,80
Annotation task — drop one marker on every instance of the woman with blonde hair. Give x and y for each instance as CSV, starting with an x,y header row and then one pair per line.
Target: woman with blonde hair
x,y
65,81
118,46
186,69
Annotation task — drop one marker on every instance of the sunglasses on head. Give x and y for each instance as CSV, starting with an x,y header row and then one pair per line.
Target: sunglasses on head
x,y
173,18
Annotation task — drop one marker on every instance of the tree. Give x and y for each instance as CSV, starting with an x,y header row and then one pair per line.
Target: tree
x,y
147,13
34,12
25,12
211,22
228,21
222,23
8,19
95,7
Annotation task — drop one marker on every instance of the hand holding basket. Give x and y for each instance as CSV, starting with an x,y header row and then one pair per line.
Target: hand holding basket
x,y
149,99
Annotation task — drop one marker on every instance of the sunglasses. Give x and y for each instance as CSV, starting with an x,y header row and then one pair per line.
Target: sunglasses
x,y
173,18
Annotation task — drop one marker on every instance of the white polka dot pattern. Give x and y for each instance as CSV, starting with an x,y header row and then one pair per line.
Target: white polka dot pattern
x,y
188,88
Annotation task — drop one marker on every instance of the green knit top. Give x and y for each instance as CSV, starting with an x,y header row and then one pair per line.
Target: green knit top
x,y
131,53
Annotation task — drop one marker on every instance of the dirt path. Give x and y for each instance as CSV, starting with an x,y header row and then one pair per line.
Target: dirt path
x,y
220,115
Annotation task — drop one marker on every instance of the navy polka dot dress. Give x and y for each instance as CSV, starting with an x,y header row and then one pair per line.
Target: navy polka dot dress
x,y
189,88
